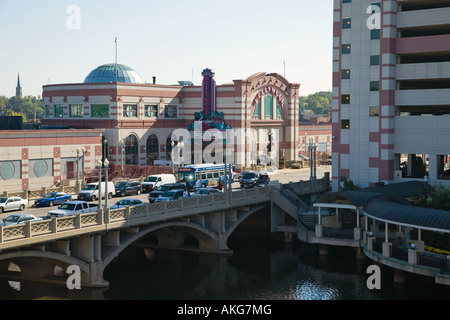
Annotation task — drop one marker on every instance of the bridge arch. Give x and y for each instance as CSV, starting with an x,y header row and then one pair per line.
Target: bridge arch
x,y
37,265
207,238
171,234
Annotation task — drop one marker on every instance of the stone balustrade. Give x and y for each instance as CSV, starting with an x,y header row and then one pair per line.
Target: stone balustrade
x,y
56,228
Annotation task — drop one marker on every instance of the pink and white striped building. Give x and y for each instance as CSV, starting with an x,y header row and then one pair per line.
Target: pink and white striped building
x,y
391,91
139,118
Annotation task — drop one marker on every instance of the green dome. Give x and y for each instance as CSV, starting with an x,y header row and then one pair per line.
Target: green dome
x,y
107,74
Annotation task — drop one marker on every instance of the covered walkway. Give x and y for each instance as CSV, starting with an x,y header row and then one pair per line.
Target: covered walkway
x,y
393,226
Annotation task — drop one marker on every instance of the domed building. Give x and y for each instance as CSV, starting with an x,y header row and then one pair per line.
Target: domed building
x,y
111,73
138,118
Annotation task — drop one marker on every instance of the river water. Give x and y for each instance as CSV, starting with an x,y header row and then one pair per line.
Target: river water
x,y
262,267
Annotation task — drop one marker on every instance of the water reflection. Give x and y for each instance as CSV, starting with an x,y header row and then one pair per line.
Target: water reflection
x,y
310,290
253,272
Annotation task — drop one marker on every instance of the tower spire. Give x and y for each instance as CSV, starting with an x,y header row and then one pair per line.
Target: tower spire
x,y
18,88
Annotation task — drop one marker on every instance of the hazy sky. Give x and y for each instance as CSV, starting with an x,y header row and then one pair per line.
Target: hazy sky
x,y
58,41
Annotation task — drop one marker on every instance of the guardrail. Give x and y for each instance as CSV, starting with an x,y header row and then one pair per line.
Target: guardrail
x,y
57,228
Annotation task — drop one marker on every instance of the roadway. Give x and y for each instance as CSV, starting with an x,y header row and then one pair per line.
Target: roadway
x,y
283,176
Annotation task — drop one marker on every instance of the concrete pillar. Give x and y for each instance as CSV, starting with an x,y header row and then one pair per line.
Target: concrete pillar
x,y
387,249
420,245
366,236
112,238
61,246
319,230
357,233
413,257
85,248
370,241
277,217
95,277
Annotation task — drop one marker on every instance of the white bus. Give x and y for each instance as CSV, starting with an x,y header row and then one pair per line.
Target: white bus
x,y
198,176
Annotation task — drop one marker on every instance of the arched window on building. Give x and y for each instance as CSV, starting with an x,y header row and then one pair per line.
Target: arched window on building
x,y
152,149
268,107
131,150
257,113
279,111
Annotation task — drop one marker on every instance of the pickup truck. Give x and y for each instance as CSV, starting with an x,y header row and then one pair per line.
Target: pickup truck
x,y
71,208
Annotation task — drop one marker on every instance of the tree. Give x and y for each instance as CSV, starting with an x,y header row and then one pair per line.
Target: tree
x,y
28,106
316,103
348,184
3,104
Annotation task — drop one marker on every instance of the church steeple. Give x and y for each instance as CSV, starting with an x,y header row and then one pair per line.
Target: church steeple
x,y
18,88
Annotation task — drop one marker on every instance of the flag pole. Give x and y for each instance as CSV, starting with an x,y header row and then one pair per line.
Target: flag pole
x,y
116,61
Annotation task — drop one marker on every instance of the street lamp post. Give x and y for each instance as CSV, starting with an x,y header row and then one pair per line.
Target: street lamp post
x,y
99,166
78,168
106,164
312,158
83,181
172,156
228,177
121,158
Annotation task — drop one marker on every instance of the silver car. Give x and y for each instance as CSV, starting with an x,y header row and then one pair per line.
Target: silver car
x,y
12,203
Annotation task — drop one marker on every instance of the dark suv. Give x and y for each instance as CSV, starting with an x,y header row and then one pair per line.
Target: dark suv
x,y
250,179
128,187
163,189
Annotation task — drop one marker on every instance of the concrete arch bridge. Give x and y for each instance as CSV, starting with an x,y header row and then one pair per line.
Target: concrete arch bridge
x,y
93,241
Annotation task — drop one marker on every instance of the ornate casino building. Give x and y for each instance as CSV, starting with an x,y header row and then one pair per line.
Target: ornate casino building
x,y
138,118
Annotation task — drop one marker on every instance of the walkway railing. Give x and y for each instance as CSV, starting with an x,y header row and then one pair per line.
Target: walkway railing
x,y
57,228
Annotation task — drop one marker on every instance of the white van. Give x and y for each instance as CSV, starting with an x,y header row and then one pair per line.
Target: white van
x,y
152,182
90,191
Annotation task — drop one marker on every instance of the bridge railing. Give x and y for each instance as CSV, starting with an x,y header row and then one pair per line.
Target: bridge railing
x,y
184,207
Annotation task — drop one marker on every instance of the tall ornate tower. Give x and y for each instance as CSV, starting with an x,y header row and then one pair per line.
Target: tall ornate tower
x,y
18,88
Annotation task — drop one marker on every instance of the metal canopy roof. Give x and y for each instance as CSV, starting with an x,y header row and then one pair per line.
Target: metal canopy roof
x,y
384,209
388,203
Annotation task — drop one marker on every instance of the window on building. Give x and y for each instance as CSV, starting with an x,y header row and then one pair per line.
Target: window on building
x,y
345,124
345,74
100,111
345,99
374,85
346,23
279,111
347,1
76,110
131,150
152,149
413,165
10,170
151,111
170,111
375,60
346,49
59,111
268,106
443,166
374,111
375,34
257,112
48,111
40,168
130,110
